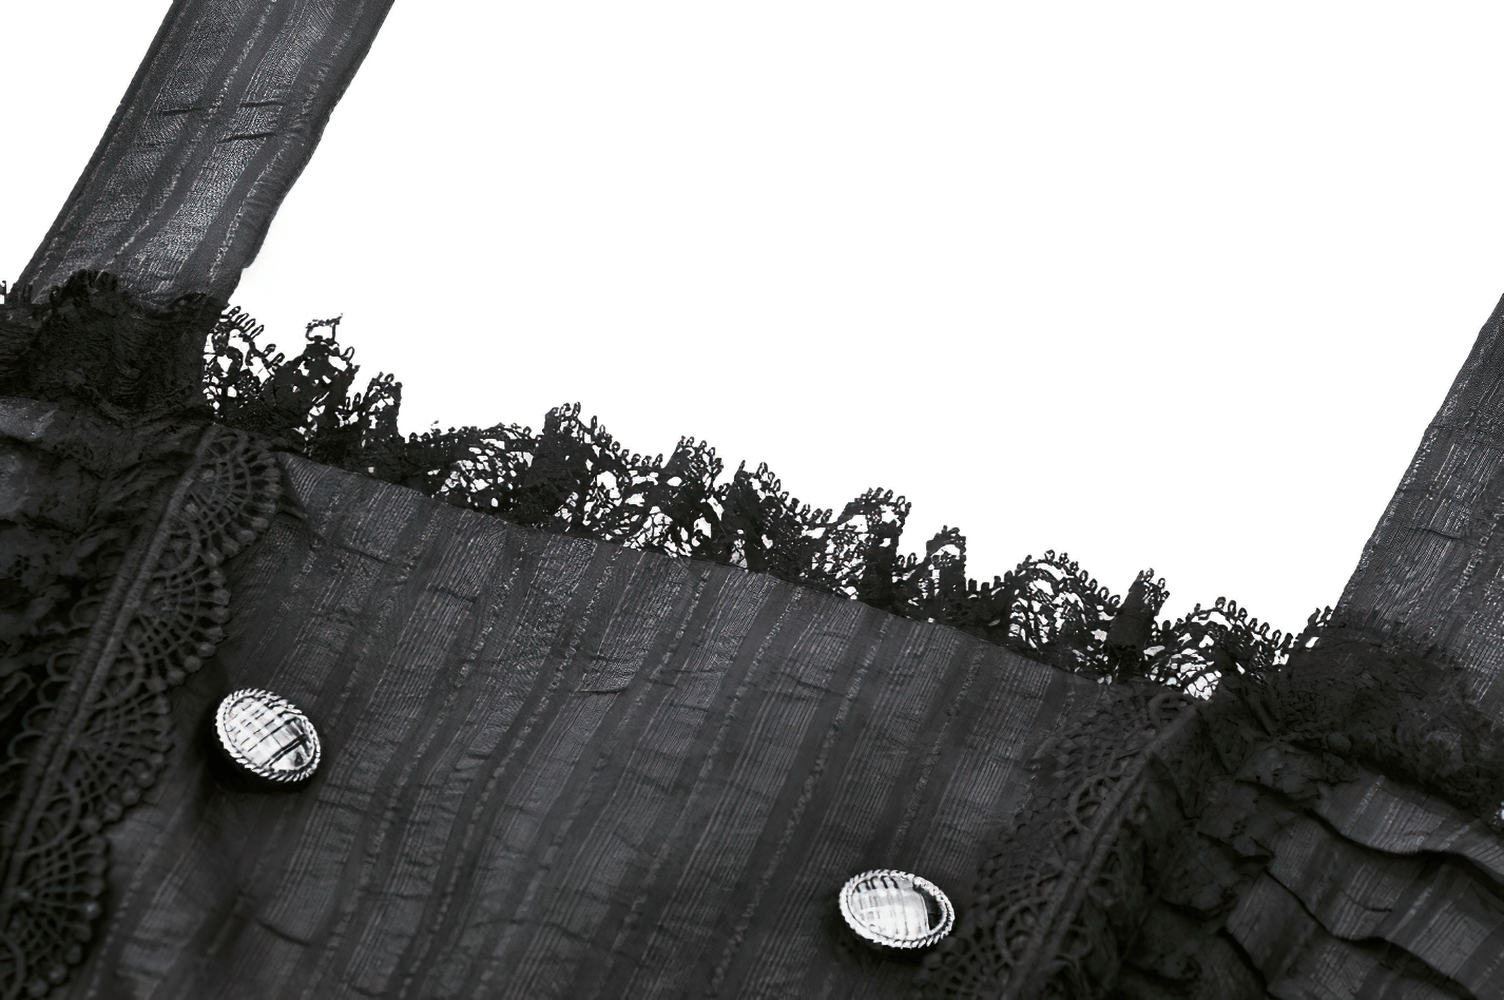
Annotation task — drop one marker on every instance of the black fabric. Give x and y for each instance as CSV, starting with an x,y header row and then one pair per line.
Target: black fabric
x,y
220,119
92,342
573,478
1340,692
1434,561
555,768
1370,691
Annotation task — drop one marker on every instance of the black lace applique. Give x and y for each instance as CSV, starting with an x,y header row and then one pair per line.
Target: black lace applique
x,y
1062,894
133,606
89,341
1150,817
1368,691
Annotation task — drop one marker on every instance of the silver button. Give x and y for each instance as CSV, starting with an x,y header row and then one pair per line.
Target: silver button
x,y
267,736
896,909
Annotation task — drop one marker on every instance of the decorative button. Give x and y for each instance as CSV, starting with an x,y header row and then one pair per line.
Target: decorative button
x,y
896,909
267,736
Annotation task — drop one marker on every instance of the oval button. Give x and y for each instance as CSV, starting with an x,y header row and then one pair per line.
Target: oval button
x,y
896,909
267,736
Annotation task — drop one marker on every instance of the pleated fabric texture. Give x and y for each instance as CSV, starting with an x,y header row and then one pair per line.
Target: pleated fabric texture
x,y
220,119
558,768
1434,567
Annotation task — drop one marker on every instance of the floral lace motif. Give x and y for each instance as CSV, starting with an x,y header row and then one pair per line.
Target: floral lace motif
x,y
99,730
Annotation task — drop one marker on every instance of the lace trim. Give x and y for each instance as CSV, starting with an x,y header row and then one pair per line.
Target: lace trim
x,y
91,341
1149,801
99,730
574,478
1030,931
1367,690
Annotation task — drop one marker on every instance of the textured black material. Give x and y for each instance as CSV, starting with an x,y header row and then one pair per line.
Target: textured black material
x,y
1368,692
221,117
573,478
544,782
1285,706
1435,562
1353,689
555,769
1171,847
122,605
91,341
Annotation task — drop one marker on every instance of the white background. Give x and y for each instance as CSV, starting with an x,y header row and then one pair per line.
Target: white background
x,y
1159,284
